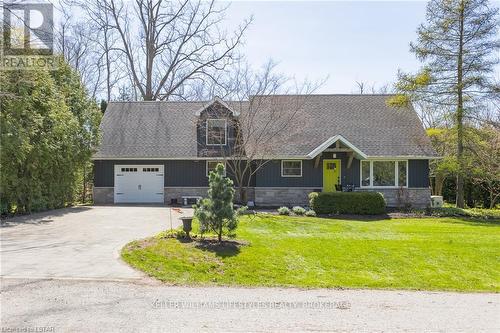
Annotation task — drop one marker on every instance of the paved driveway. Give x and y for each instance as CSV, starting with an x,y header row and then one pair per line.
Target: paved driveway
x,y
104,294
135,306
79,242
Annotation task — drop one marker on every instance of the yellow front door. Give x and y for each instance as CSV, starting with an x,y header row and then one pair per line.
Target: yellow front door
x,y
331,175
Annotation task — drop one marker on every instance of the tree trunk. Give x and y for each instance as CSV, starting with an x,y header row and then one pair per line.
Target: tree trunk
x,y
493,199
219,235
243,194
460,114
438,183
84,189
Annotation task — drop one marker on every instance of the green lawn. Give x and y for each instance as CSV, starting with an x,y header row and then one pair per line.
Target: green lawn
x,y
426,253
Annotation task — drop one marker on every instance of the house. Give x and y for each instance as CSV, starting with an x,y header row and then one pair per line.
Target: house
x,y
160,152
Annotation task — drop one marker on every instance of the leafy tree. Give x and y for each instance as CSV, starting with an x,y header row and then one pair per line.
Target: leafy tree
x,y
481,160
216,212
48,130
457,45
485,170
103,105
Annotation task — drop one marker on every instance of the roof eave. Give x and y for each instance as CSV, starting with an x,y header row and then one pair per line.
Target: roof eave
x,y
221,102
318,150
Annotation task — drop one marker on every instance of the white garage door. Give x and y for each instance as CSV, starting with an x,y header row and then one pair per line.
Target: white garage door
x,y
138,183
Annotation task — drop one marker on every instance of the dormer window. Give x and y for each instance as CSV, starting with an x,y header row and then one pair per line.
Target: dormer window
x,y
216,132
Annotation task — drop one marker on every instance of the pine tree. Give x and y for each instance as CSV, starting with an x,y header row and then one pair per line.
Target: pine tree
x,y
457,46
216,212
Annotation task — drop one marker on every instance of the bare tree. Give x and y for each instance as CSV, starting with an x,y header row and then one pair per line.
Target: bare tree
x,y
361,86
91,27
383,89
72,42
166,44
268,104
433,116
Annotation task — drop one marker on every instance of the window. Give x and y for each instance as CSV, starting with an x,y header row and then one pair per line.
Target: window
x,y
129,169
150,169
216,131
384,173
211,165
291,168
365,173
402,173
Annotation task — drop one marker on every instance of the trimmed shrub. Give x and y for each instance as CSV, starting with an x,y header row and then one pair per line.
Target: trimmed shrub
x,y
310,213
459,212
297,210
359,203
284,211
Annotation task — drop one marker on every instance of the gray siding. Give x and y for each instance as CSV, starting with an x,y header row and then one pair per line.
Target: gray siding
x,y
177,172
104,174
418,173
270,174
193,173
185,173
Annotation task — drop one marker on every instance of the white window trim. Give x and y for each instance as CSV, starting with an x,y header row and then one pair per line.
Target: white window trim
x,y
396,169
298,176
225,133
212,161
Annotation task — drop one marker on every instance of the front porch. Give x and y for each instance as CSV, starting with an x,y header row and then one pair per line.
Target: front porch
x,y
337,165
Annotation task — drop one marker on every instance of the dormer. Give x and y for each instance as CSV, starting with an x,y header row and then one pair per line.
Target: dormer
x,y
216,129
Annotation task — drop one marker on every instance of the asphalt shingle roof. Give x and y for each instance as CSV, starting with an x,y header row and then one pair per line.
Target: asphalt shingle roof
x,y
168,129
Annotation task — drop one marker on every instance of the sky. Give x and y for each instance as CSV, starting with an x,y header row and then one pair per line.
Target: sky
x,y
347,41
344,41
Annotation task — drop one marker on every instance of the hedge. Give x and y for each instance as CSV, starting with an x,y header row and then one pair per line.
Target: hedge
x,y
359,203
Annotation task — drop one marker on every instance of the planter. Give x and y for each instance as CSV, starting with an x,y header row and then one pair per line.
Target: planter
x,y
187,224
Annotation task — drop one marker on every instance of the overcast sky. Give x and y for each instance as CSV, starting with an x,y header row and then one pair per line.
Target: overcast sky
x,y
348,41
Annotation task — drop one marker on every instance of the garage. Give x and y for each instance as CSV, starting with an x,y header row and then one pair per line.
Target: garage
x,y
138,184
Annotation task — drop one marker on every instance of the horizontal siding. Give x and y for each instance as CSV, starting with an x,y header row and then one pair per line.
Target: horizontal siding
x,y
177,172
270,174
193,174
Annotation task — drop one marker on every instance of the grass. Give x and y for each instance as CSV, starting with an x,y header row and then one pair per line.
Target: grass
x,y
427,253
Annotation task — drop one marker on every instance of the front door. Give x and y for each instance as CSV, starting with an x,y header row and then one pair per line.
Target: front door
x,y
331,175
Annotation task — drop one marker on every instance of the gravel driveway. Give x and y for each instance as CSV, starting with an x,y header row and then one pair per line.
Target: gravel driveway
x,y
80,242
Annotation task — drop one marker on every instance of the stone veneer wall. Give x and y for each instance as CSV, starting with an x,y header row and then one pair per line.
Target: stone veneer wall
x,y
395,197
278,196
103,195
179,192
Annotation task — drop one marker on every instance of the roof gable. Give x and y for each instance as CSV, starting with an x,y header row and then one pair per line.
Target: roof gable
x,y
213,102
337,138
